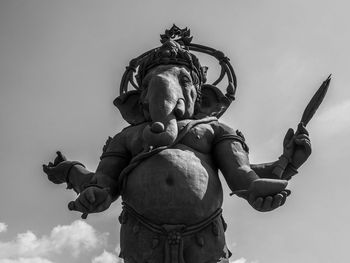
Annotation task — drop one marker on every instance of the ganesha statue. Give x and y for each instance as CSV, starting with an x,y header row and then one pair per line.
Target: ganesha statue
x,y
165,165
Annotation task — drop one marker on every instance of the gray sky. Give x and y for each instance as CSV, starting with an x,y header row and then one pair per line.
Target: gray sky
x,y
60,67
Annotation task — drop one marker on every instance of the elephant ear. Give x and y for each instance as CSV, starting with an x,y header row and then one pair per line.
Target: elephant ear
x,y
213,102
129,107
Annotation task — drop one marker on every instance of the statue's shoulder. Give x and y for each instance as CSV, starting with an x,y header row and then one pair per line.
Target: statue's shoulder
x,y
212,126
125,140
221,128
224,132
133,138
132,130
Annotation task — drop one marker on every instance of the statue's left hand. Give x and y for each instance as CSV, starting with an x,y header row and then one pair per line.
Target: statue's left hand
x,y
92,200
268,203
297,147
56,171
265,194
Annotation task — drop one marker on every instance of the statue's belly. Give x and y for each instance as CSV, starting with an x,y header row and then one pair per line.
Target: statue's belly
x,y
174,186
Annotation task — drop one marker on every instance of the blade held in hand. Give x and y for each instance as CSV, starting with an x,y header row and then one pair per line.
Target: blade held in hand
x,y
309,112
315,102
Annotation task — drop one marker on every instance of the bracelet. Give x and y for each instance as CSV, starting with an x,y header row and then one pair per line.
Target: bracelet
x,y
291,171
115,154
68,169
281,165
292,167
283,156
89,185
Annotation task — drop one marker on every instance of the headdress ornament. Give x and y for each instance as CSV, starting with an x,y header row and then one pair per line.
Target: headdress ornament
x,y
175,49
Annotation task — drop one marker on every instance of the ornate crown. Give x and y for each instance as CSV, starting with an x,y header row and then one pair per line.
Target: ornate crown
x,y
175,49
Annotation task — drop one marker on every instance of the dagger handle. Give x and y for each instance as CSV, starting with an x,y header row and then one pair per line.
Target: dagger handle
x,y
284,159
281,166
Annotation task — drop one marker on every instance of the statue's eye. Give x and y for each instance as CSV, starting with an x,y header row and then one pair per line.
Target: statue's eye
x,y
185,80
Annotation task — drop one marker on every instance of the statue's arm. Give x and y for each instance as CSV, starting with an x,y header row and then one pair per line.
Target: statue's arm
x,y
97,190
73,173
231,157
114,159
233,162
265,170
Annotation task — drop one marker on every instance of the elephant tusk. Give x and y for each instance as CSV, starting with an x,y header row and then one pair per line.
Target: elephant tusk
x,y
157,127
179,109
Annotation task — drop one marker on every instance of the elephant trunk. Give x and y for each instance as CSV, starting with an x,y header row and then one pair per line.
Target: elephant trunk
x,y
161,133
165,105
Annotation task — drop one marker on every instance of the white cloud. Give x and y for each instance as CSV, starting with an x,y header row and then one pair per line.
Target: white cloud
x,y
242,260
106,257
73,239
26,260
70,239
117,249
3,227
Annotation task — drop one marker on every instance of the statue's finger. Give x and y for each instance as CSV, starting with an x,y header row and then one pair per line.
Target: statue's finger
x,y
47,169
302,129
308,147
306,144
257,204
71,206
285,194
277,199
289,135
59,158
251,198
51,164
84,202
50,172
60,155
303,142
53,179
90,196
103,206
84,215
302,136
276,202
77,206
267,204
283,200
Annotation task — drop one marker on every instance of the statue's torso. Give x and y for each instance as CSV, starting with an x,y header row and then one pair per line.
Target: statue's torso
x,y
179,185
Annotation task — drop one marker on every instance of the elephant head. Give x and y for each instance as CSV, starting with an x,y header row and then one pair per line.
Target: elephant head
x,y
169,93
171,87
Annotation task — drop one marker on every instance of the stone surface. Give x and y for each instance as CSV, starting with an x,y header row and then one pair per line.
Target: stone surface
x,y
165,165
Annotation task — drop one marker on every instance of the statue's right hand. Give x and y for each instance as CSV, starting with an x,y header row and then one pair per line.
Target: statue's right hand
x,y
56,171
92,200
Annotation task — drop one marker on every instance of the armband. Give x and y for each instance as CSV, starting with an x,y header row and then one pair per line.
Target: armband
x,y
292,167
290,170
67,171
104,149
89,185
114,154
239,137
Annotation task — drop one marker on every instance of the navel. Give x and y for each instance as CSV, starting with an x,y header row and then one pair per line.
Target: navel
x,y
169,180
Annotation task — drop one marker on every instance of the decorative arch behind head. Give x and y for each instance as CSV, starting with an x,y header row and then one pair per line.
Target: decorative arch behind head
x,y
175,49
